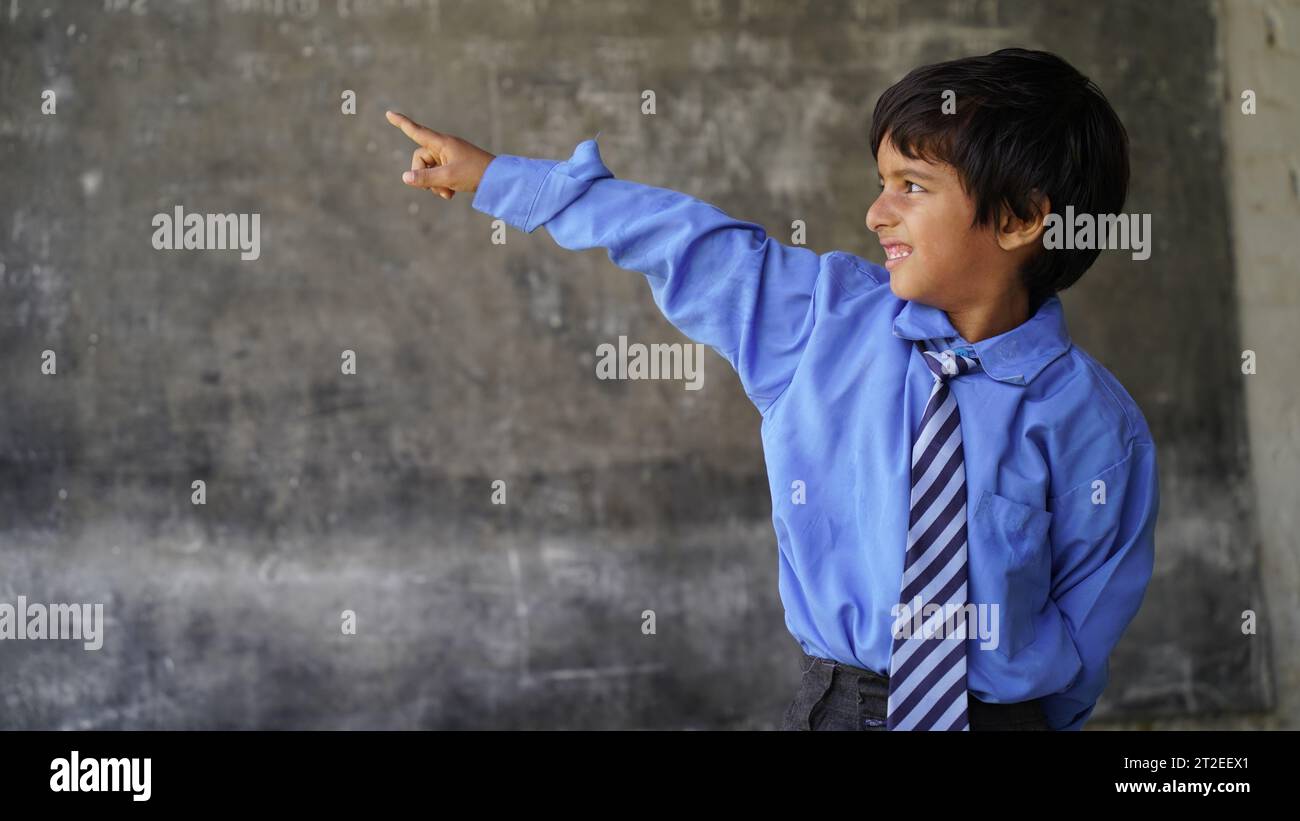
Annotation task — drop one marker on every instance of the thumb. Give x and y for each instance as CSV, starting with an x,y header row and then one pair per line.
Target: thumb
x,y
437,177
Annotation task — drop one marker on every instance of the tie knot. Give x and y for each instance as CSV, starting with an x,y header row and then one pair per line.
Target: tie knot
x,y
951,362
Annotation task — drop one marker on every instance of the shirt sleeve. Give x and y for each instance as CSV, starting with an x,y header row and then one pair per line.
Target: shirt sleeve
x,y
1103,555
720,281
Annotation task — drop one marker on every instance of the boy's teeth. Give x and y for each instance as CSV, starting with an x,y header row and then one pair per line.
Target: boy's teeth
x,y
897,251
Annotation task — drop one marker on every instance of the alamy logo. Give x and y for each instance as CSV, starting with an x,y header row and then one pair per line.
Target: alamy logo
x,y
1103,231
946,621
655,361
76,774
208,232
54,621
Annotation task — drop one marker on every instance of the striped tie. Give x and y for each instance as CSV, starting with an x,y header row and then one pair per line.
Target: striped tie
x,y
927,678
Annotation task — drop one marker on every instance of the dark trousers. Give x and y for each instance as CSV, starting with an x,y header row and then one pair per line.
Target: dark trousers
x,y
837,696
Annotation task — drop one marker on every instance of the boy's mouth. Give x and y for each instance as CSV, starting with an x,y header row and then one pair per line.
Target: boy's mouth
x,y
895,254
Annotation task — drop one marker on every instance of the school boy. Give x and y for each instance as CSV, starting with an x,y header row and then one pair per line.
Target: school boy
x,y
964,501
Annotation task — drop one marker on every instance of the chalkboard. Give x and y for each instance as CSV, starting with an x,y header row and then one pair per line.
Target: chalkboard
x,y
372,492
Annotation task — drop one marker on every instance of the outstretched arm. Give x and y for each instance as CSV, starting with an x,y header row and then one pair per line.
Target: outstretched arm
x,y
721,281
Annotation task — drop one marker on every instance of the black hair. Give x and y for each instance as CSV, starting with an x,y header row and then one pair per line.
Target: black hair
x,y
1024,122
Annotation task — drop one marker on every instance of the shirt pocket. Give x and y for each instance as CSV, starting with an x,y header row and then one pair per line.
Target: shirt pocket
x,y
1010,548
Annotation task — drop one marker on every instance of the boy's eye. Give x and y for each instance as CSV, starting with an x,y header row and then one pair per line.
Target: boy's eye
x,y
907,183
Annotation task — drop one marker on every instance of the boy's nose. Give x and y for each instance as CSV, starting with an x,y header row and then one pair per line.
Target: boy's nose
x,y
879,216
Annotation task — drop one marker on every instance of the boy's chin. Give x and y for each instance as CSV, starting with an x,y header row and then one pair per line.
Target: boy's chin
x,y
903,288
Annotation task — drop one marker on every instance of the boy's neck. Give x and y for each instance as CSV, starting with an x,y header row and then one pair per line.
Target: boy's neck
x,y
991,318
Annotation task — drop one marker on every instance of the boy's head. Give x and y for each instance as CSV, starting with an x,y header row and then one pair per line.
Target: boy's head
x,y
973,155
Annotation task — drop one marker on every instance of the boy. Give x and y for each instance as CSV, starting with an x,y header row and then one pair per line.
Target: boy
x,y
964,501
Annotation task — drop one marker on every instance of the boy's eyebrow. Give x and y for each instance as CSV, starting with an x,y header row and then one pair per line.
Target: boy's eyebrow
x,y
912,171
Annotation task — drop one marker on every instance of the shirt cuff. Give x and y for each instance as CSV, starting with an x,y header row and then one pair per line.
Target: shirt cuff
x,y
510,187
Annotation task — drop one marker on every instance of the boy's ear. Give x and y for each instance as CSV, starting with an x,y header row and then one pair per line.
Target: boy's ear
x,y
1014,233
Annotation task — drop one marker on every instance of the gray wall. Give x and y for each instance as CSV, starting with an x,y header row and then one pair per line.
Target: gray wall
x,y
371,492
1260,42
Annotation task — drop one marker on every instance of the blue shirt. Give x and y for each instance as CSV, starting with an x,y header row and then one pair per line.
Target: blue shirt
x,y
1062,494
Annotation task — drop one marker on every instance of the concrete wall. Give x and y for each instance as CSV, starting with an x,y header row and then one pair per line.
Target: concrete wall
x,y
1260,52
1262,44
372,492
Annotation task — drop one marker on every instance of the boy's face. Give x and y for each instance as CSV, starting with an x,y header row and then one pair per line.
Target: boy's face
x,y
933,254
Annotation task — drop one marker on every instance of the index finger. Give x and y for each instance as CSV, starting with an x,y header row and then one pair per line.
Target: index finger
x,y
423,136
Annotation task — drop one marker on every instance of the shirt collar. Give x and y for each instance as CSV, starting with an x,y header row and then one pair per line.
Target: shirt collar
x,y
1016,356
